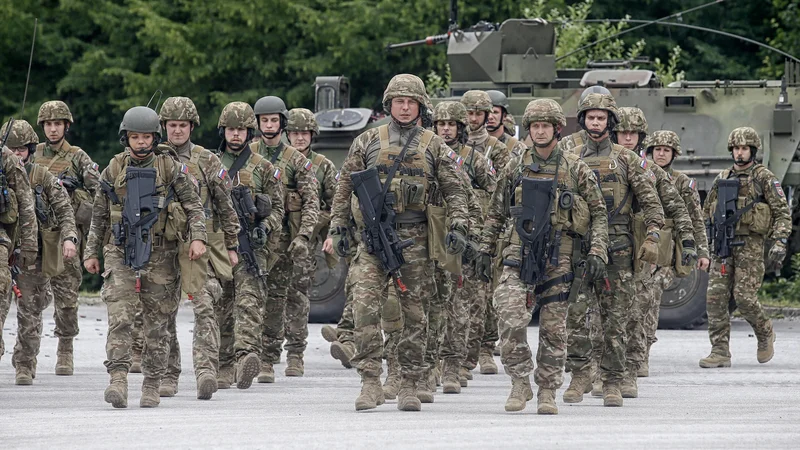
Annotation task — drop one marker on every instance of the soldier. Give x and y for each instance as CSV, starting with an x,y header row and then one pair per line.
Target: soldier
x,y
294,243
663,147
631,132
451,125
762,213
56,224
140,266
576,186
623,177
580,137
240,310
427,164
510,125
79,175
179,118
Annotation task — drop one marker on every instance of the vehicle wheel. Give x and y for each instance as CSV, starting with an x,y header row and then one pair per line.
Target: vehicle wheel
x,y
683,304
327,291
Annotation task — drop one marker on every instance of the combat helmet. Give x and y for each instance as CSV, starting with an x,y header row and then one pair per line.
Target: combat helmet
x,y
745,136
406,85
475,100
632,119
140,119
54,110
179,108
21,135
454,111
664,138
543,110
237,115
603,102
510,124
498,99
301,119
596,89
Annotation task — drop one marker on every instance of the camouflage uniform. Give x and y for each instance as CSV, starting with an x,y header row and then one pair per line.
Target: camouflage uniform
x,y
663,276
56,223
427,152
160,275
514,298
74,165
622,173
301,205
222,229
21,222
241,307
739,277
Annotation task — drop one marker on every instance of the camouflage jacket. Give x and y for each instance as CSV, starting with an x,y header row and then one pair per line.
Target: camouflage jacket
x,y
183,185
770,188
27,226
54,202
474,207
326,175
573,140
215,187
473,163
673,204
364,153
496,153
70,161
635,173
688,192
581,181
297,176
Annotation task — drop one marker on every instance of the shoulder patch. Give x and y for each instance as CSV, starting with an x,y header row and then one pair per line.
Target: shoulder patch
x,y
222,173
337,176
184,168
308,165
651,175
692,184
492,170
277,173
643,164
778,188
95,166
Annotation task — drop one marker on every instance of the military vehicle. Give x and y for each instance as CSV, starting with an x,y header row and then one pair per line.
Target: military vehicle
x,y
518,58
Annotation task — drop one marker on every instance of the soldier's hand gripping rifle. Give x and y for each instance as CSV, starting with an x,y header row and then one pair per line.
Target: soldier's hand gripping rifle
x,y
725,218
245,210
532,223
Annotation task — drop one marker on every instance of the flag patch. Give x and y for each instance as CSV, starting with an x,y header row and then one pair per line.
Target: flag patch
x,y
691,183
337,176
95,166
222,173
184,168
277,174
307,166
778,188
452,155
491,167
643,164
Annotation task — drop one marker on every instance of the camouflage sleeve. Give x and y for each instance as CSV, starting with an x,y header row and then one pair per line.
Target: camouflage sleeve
x,y
272,185
59,201
355,161
589,190
485,176
776,198
692,201
519,148
18,180
711,198
308,188
86,171
450,184
220,191
673,205
642,182
101,215
186,194
498,155
328,185
497,212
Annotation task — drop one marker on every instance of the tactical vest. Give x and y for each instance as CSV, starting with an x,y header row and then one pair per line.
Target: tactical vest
x,y
245,175
316,163
50,247
59,162
37,175
281,161
616,190
198,171
511,143
667,235
758,220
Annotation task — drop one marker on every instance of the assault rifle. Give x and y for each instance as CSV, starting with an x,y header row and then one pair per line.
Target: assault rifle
x,y
725,218
532,222
379,235
69,183
245,209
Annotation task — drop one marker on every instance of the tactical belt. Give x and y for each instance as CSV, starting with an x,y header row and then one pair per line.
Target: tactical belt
x,y
562,297
566,278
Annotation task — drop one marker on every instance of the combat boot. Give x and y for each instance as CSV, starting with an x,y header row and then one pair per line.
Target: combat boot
x,y
715,360
629,387
136,363
766,348
450,383
392,383
329,333
150,397
64,364
407,399
344,352
596,388
225,377
437,375
486,361
294,365
249,368
644,370
168,388
581,380
425,387
117,391
206,386
546,399
521,393
24,376
464,375
611,394
267,374
371,394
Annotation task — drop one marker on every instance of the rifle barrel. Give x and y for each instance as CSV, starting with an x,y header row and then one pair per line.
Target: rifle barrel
x,y
430,40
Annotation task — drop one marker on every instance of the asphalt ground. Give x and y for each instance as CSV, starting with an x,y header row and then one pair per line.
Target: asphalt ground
x,y
748,406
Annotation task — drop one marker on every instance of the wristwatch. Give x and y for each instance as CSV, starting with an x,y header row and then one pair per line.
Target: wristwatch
x,y
74,240
655,234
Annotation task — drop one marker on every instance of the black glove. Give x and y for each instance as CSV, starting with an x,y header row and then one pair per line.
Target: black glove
x,y
689,254
341,241
471,252
455,242
258,236
483,267
595,267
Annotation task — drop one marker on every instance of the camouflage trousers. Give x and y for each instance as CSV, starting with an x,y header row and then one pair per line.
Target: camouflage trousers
x,y
370,281
636,330
744,273
5,297
344,329
205,335
34,288
511,299
584,332
437,318
239,311
491,332
286,310
454,346
661,280
159,280
64,291
477,298
391,321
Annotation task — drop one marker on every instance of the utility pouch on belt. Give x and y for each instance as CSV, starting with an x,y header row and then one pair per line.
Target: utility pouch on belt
x,y
82,203
10,214
438,228
533,225
193,273
218,254
52,253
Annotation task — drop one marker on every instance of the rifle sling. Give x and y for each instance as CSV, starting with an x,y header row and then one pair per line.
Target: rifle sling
x,y
738,214
396,164
240,162
613,215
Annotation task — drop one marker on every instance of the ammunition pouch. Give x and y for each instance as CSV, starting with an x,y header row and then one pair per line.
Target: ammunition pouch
x,y
263,207
294,212
574,211
52,252
438,227
82,205
757,220
11,213
194,274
